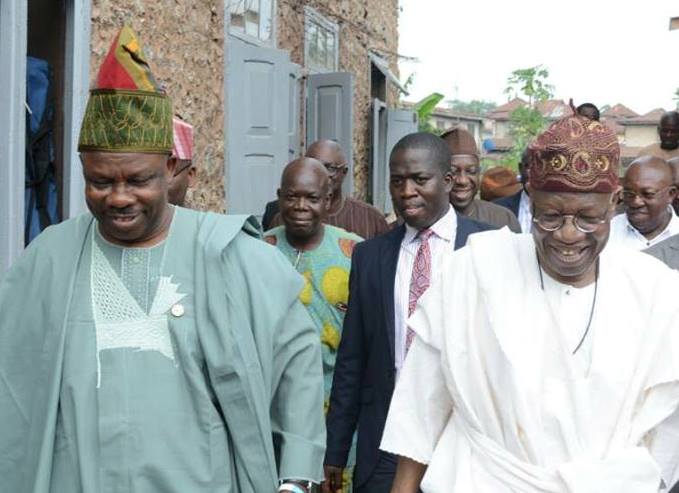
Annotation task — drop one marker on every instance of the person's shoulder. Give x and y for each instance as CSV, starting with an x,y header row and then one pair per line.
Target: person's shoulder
x,y
667,251
509,200
272,235
496,209
465,223
392,237
343,234
64,231
364,207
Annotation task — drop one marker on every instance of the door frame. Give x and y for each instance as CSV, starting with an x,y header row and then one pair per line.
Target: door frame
x,y
13,45
76,92
13,51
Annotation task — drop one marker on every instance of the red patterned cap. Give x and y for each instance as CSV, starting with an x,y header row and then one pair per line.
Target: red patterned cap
x,y
574,154
183,140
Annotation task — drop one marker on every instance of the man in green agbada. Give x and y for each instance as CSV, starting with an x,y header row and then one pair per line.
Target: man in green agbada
x,y
164,350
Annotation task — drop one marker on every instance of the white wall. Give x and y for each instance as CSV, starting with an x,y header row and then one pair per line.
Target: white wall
x,y
640,135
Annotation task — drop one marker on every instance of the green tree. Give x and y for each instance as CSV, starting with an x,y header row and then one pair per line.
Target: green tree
x,y
676,98
526,122
475,106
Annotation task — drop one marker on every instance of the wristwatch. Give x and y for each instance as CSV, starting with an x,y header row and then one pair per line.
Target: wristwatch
x,y
295,485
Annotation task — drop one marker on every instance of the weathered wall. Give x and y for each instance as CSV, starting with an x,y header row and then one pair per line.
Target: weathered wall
x,y
641,135
184,41
364,25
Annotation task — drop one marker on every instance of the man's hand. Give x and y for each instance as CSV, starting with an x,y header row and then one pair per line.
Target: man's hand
x,y
333,479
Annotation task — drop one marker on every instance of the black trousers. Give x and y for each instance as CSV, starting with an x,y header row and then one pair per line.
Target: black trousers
x,y
382,477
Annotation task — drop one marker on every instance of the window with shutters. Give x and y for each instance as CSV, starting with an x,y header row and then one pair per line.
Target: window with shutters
x,y
321,42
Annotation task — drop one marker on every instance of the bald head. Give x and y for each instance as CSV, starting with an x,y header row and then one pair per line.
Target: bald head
x,y
304,199
668,130
650,167
674,164
332,156
305,169
648,190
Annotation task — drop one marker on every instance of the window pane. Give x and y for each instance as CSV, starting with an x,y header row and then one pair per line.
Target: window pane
x,y
331,51
312,39
237,8
265,19
252,18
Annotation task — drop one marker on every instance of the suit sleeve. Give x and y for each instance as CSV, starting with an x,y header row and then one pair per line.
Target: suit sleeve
x,y
349,367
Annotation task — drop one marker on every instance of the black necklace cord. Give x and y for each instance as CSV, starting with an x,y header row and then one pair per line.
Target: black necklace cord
x,y
594,298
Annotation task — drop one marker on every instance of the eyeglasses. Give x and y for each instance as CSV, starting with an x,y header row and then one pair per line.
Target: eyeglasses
x,y
554,222
629,195
333,169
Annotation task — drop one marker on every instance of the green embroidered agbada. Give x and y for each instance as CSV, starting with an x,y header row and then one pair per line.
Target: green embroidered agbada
x,y
222,395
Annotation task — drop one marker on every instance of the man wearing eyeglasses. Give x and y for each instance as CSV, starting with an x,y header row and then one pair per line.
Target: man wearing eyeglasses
x,y
648,193
347,213
185,171
557,373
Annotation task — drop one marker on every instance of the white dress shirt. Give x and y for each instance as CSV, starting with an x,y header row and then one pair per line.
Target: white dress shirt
x,y
442,242
525,214
624,234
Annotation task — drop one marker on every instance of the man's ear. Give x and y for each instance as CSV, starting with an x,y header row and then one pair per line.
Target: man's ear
x,y
616,198
171,167
192,176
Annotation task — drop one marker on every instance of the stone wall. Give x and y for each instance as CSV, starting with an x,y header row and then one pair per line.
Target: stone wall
x,y
184,41
364,25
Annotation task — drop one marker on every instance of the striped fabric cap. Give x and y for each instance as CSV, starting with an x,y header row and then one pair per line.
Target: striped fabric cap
x,y
183,140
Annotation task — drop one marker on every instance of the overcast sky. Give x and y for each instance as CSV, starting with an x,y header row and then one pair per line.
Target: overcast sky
x,y
601,51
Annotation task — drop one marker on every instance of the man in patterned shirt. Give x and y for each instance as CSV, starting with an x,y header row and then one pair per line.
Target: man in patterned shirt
x,y
321,253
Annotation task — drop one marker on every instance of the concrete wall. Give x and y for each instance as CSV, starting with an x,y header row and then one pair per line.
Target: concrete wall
x,y
640,135
364,25
184,41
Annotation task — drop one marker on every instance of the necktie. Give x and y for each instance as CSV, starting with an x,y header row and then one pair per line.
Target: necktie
x,y
420,279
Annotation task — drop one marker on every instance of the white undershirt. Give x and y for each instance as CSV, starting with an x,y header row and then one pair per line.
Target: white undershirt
x,y
442,242
571,308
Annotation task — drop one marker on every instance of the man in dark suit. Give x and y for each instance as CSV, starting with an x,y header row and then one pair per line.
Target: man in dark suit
x,y
384,276
519,203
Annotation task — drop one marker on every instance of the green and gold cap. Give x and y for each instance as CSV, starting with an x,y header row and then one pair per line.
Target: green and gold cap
x,y
127,111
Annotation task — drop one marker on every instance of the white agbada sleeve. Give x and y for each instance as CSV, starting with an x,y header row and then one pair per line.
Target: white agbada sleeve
x,y
420,408
421,405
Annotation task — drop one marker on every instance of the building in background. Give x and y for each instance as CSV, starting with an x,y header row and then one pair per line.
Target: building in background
x,y
258,80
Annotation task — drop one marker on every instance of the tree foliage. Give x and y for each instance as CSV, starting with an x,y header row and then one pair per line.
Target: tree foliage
x,y
676,98
475,106
526,122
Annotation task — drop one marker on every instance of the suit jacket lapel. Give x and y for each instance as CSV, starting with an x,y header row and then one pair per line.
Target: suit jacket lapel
x,y
388,263
463,231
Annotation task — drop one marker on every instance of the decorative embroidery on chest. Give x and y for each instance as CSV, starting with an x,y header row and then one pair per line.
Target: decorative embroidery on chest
x,y
119,320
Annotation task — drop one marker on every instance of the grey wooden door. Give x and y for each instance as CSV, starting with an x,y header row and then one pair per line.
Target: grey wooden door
x,y
330,114
294,119
389,125
258,140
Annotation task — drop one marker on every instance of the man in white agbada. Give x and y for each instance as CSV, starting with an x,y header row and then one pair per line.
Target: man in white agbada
x,y
545,363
